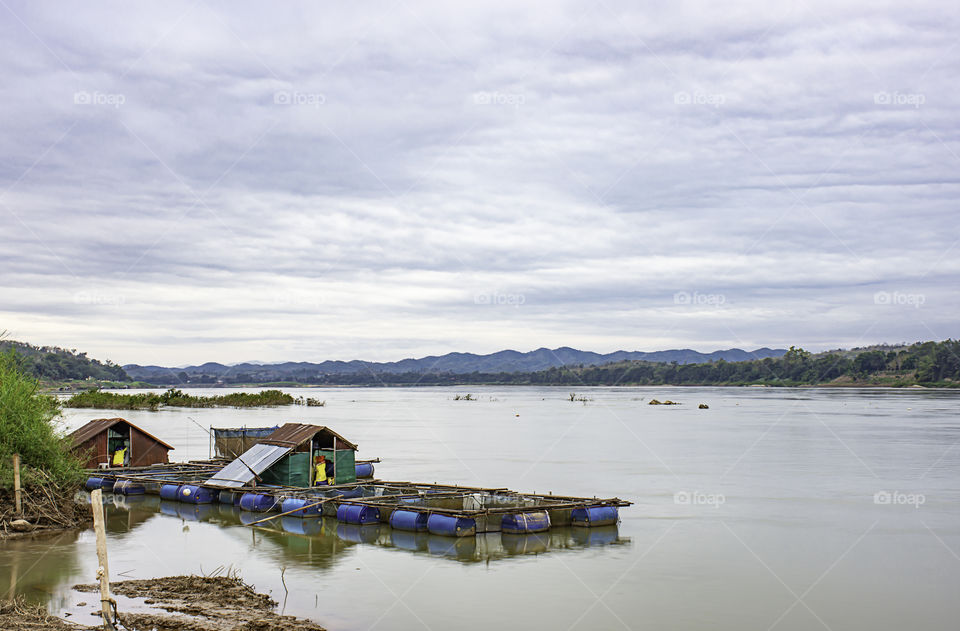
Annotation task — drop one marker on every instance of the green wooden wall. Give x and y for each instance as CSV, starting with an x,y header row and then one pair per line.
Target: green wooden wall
x,y
295,469
346,464
291,470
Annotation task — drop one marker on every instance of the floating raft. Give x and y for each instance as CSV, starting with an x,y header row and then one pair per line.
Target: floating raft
x,y
446,510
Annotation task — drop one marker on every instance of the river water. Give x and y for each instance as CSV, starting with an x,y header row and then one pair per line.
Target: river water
x,y
773,509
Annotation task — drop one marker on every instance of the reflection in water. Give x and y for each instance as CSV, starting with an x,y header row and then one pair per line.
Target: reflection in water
x,y
39,567
367,533
602,536
460,548
124,514
196,512
289,540
36,567
43,569
297,526
318,540
533,543
169,508
406,540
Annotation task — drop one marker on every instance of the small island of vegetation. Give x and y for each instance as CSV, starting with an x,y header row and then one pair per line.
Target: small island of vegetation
x,y
98,399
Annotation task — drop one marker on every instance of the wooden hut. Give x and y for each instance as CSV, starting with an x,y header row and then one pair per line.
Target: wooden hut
x,y
97,443
307,442
286,457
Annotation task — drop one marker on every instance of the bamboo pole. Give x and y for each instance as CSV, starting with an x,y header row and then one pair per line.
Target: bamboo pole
x,y
16,484
107,604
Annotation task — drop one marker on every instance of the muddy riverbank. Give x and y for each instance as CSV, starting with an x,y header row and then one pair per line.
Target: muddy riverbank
x,y
198,603
46,509
18,615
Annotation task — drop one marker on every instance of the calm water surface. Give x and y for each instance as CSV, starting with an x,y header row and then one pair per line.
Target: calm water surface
x,y
774,509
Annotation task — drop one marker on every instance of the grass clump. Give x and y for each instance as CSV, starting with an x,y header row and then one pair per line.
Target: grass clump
x,y
176,398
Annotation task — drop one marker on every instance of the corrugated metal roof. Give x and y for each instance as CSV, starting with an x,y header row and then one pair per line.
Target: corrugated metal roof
x,y
94,427
249,465
295,434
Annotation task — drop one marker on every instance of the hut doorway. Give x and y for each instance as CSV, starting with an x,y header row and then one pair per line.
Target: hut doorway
x,y
118,445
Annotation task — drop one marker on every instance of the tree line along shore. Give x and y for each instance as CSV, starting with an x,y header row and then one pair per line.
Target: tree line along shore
x,y
929,364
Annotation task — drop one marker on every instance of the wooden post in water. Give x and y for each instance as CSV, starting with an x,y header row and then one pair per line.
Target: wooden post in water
x,y
103,571
16,484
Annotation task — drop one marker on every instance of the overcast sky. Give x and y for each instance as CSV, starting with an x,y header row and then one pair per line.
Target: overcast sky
x,y
186,182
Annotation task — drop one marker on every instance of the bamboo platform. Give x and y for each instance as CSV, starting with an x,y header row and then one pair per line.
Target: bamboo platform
x,y
449,509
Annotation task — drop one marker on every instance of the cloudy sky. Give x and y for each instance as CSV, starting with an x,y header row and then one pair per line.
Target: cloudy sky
x,y
184,182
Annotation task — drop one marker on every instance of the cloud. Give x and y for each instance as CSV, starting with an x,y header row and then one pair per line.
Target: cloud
x,y
189,182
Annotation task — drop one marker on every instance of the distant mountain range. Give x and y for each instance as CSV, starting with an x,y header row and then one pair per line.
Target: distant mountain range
x,y
452,363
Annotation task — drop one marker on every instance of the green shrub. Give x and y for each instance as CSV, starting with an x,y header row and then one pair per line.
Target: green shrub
x,y
27,428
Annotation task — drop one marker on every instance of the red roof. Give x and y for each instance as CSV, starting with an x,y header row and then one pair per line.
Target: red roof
x,y
295,434
96,426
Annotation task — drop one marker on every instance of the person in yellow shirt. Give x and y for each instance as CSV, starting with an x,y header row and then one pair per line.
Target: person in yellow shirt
x,y
320,466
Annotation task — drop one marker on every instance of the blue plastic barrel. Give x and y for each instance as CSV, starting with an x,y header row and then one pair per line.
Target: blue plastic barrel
x,y
298,505
258,502
226,497
193,494
523,523
594,516
94,483
364,470
129,487
409,520
450,526
107,484
170,492
358,514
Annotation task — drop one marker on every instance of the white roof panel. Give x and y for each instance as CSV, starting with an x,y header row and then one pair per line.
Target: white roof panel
x,y
253,461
